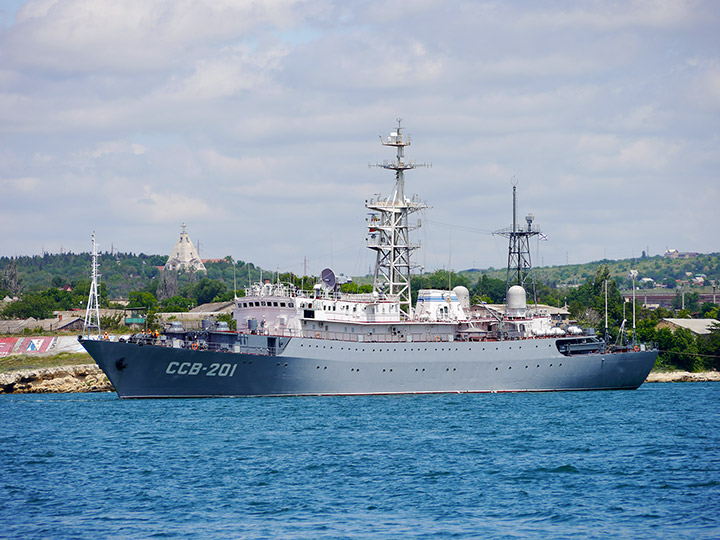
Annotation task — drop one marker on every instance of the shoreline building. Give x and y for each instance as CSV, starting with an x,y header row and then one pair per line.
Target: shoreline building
x,y
184,256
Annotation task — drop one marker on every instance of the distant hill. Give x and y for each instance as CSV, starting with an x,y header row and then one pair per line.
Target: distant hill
x,y
121,273
126,272
660,269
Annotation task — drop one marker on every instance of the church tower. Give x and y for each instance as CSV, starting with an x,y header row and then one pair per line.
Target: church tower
x,y
184,256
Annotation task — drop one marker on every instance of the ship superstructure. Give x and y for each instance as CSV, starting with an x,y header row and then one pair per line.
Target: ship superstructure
x,y
389,227
326,342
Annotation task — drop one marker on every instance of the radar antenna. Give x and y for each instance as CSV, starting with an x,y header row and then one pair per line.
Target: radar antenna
x,y
388,226
327,276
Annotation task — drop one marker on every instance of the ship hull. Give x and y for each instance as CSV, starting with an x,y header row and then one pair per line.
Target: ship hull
x,y
307,366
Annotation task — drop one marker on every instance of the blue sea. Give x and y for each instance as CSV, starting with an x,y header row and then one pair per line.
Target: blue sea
x,y
621,464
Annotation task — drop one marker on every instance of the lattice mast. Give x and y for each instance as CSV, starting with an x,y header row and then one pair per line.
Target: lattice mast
x,y
92,313
519,266
389,229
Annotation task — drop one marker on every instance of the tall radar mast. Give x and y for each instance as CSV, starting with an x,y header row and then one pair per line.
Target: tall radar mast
x,y
388,227
519,267
92,313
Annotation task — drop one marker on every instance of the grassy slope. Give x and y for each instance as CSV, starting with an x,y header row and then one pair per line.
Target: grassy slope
x,y
36,361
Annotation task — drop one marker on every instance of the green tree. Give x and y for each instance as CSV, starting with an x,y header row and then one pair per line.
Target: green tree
x,y
489,290
37,306
679,349
709,347
709,311
692,302
140,299
176,304
207,289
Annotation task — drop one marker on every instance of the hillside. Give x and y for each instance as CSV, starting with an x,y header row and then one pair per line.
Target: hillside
x,y
121,273
126,272
661,270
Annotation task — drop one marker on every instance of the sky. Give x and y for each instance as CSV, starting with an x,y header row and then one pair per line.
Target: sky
x,y
254,123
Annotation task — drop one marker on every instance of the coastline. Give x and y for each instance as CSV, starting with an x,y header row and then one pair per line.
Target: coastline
x,y
89,378
54,380
683,376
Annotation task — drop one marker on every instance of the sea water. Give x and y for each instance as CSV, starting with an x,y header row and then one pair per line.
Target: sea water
x,y
620,464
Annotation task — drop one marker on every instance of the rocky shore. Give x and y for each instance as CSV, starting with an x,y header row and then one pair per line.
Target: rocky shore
x,y
89,378
74,379
683,376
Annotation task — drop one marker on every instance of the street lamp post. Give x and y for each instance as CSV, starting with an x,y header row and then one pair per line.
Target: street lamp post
x,y
632,275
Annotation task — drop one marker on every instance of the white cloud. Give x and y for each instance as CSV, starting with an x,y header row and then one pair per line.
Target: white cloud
x,y
258,119
26,185
165,207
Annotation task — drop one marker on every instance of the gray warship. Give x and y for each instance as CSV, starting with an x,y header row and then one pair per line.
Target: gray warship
x,y
291,342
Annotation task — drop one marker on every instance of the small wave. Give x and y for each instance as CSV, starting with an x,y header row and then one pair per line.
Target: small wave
x,y
711,483
561,469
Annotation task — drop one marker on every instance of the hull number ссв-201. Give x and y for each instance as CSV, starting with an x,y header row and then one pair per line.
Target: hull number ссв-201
x,y
196,368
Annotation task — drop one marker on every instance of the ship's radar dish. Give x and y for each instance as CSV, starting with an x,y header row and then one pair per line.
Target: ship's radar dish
x,y
327,276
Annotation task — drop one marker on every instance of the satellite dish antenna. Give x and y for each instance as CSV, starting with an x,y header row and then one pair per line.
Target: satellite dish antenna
x,y
327,276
